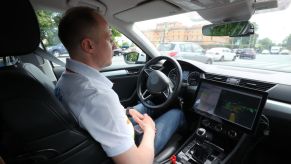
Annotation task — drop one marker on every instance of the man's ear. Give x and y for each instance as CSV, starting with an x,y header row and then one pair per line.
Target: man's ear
x,y
87,45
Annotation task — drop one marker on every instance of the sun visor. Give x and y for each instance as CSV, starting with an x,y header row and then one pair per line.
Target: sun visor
x,y
88,3
236,11
148,10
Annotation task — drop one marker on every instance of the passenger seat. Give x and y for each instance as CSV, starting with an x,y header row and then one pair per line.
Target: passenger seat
x,y
38,75
34,126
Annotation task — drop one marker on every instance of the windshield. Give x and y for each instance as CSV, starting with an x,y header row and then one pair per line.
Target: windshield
x,y
269,48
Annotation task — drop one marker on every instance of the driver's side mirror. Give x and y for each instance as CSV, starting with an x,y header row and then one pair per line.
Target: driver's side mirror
x,y
134,58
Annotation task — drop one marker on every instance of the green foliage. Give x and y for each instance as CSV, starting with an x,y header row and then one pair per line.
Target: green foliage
x,y
115,33
265,43
48,22
125,44
287,42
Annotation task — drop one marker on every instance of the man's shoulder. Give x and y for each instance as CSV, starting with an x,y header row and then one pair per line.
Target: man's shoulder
x,y
80,85
72,81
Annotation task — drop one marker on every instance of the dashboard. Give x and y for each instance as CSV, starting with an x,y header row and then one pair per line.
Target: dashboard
x,y
189,77
224,126
278,103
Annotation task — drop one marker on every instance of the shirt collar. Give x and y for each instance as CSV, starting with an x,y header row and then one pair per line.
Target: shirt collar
x,y
87,71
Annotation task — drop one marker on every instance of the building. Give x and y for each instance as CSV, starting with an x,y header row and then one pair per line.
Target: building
x,y
175,32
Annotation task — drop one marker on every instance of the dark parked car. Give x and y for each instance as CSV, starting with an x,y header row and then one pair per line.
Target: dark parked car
x,y
237,52
57,49
248,53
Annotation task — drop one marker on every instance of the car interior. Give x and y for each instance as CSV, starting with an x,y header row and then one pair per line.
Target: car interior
x,y
233,114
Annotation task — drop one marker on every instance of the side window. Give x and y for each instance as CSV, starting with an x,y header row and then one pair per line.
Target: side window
x,y
49,20
125,51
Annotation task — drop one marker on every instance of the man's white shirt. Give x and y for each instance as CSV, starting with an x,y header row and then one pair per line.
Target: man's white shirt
x,y
90,97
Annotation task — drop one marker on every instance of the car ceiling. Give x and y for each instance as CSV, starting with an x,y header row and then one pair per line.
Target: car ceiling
x,y
139,10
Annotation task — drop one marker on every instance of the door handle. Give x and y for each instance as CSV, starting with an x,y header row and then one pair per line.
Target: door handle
x,y
132,72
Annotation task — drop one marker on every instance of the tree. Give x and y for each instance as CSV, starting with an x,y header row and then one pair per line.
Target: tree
x,y
115,34
125,45
287,42
265,43
48,22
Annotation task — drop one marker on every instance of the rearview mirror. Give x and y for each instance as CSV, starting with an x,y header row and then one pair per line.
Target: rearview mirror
x,y
232,29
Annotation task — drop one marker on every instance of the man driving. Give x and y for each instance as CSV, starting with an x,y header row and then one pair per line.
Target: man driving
x,y
93,102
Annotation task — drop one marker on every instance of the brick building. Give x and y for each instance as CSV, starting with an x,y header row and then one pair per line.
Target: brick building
x,y
175,32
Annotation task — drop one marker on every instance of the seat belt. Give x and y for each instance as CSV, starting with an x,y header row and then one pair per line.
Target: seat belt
x,y
40,52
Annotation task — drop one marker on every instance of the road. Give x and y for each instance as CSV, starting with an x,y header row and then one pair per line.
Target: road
x,y
281,63
268,62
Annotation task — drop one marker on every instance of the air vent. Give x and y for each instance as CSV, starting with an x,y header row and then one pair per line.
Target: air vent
x,y
256,84
216,77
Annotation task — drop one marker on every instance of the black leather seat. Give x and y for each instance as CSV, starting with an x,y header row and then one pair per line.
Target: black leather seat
x,y
34,126
35,72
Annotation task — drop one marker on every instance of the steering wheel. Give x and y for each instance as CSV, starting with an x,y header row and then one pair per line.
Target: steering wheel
x,y
152,83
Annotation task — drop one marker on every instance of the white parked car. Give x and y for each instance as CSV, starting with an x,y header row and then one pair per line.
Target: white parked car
x,y
265,52
221,54
285,52
185,50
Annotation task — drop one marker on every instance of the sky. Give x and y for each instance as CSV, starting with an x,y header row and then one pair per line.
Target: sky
x,y
274,25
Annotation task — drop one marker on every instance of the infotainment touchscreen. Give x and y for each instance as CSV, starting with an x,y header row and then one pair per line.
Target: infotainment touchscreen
x,y
236,105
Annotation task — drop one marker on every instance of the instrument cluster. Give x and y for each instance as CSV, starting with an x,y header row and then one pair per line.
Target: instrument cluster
x,y
191,78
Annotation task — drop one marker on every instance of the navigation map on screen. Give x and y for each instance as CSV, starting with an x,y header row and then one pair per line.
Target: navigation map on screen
x,y
228,104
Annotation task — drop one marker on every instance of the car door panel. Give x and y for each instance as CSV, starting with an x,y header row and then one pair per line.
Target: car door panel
x,y
124,82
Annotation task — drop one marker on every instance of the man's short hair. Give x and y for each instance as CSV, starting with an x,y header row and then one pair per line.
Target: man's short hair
x,y
75,24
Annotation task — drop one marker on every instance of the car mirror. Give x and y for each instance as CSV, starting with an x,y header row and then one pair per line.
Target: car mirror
x,y
232,29
134,58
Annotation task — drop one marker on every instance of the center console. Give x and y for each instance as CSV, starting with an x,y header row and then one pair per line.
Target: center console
x,y
227,114
201,150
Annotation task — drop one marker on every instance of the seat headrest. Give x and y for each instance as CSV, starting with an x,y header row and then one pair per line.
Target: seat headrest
x,y
19,29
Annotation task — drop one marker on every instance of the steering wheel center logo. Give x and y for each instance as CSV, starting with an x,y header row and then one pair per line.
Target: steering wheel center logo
x,y
154,79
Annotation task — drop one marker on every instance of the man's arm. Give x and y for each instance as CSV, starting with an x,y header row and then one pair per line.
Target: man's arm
x,y
144,153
